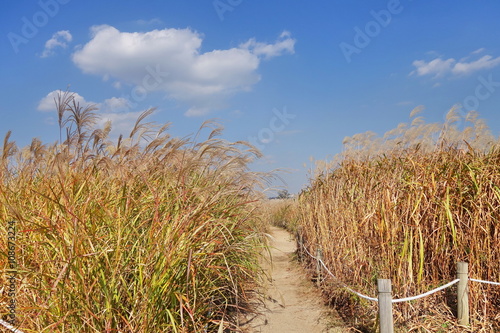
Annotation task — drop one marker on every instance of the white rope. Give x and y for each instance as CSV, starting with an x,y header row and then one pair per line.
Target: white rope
x,y
425,294
343,284
9,326
394,300
488,282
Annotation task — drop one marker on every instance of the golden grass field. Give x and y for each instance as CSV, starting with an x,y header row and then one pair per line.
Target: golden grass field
x,y
407,207
149,233
144,234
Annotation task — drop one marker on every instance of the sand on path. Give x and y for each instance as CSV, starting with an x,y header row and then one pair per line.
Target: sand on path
x,y
292,303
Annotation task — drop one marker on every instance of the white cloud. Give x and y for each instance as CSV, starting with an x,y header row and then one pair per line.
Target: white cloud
x,y
196,111
116,109
285,44
481,50
171,60
121,122
439,67
47,104
110,105
486,62
115,104
59,39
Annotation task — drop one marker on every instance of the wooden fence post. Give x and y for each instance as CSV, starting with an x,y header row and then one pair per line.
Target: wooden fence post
x,y
463,293
300,243
385,305
319,255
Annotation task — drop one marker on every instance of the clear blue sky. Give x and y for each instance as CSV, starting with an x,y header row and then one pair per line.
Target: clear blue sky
x,y
293,77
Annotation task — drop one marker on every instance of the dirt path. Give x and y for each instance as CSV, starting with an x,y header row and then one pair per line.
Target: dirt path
x,y
292,303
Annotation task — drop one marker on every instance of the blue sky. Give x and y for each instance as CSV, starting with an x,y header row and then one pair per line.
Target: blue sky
x,y
294,78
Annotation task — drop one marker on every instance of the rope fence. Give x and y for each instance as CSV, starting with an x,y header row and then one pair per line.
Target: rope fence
x,y
343,284
449,284
385,291
487,282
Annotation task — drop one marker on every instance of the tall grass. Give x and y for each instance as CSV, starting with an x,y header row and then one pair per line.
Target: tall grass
x,y
408,206
280,213
145,234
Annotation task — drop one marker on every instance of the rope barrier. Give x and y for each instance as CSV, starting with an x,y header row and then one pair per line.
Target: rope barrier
x,y
487,282
10,327
425,294
406,299
343,284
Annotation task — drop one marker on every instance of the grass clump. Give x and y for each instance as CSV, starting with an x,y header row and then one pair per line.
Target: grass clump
x,y
281,213
408,206
145,234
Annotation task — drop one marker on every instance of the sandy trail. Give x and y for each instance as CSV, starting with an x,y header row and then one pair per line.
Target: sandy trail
x,y
292,303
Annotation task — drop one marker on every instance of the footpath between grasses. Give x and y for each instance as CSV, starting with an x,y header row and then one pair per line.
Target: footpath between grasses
x,y
292,304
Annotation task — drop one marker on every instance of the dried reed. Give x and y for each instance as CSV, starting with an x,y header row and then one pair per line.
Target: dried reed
x,y
408,206
146,234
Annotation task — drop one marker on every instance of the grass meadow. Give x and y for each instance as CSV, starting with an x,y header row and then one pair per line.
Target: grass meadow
x,y
407,206
150,233
145,233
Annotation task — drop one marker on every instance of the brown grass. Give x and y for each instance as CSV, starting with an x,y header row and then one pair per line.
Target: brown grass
x,y
408,206
146,233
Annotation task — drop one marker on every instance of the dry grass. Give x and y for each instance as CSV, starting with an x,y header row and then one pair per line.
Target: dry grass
x,y
280,213
146,234
408,206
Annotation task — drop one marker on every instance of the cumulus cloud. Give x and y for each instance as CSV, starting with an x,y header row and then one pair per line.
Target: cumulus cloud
x,y
115,109
439,67
171,60
47,103
121,122
59,39
115,104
